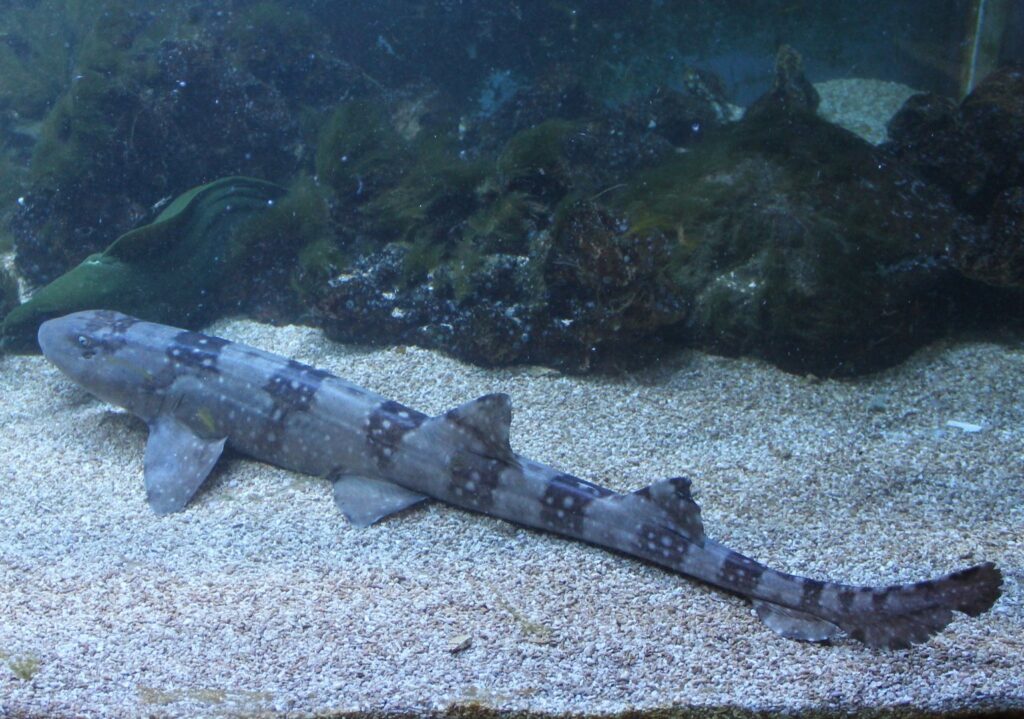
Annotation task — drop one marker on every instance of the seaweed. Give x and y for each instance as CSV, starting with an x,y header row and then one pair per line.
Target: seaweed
x,y
170,270
358,152
436,193
534,160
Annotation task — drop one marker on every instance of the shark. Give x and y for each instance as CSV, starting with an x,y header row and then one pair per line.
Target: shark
x,y
199,394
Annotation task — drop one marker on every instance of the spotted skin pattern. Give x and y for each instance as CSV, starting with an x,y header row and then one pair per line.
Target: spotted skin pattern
x,y
203,391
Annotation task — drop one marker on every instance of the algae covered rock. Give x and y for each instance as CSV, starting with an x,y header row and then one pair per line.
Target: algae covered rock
x,y
975,152
803,244
154,107
172,270
995,254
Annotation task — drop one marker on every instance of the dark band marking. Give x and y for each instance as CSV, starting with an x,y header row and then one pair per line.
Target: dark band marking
x,y
846,599
199,351
810,597
741,574
389,422
879,598
661,545
473,481
293,388
565,502
108,320
104,333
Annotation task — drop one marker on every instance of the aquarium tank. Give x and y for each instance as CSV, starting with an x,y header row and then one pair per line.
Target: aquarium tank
x,y
758,239
532,182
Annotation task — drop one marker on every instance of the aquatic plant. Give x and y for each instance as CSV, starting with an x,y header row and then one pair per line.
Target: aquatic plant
x,y
171,270
436,193
358,152
534,160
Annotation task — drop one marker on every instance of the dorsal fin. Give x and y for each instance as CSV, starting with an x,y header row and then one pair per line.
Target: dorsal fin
x,y
482,423
669,502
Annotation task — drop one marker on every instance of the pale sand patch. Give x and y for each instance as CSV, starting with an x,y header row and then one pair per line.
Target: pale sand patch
x,y
260,598
861,105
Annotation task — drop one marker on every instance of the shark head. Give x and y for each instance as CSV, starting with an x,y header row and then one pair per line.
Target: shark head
x,y
95,349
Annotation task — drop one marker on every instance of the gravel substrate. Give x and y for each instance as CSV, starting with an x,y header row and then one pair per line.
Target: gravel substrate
x,y
862,106
260,599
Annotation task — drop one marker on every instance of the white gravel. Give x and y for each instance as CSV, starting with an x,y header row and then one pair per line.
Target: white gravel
x,y
863,106
259,599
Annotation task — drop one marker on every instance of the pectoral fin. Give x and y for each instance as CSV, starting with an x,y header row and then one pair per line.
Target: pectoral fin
x,y
365,500
177,461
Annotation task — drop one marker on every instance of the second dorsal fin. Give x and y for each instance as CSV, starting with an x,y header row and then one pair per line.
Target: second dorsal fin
x,y
669,501
482,425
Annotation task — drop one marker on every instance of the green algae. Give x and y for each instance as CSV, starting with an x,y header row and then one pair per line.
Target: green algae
x,y
167,271
358,151
96,109
534,160
503,224
437,191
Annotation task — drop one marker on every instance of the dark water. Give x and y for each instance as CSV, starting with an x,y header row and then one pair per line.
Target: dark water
x,y
522,181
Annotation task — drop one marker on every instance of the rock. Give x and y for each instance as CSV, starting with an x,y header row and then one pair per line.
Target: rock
x,y
791,92
801,243
996,256
974,151
141,122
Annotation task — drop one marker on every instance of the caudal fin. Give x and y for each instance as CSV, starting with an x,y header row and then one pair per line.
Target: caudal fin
x,y
892,617
907,614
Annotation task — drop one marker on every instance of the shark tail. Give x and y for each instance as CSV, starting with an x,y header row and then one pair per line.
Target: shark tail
x,y
891,617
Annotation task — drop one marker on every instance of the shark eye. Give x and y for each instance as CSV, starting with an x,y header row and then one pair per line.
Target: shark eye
x,y
87,345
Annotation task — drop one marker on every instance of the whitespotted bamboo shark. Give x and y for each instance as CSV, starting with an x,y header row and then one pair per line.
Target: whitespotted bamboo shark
x,y
198,393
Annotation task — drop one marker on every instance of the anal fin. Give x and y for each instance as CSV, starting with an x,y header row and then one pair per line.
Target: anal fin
x,y
176,463
365,500
794,624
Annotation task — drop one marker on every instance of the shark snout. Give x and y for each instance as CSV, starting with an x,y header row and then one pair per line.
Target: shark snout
x,y
50,335
58,340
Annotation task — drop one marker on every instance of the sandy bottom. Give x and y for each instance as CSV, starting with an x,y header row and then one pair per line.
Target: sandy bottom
x,y
261,599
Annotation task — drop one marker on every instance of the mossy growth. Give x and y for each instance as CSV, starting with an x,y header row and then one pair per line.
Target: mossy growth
x,y
420,259
305,213
438,191
666,196
504,224
109,77
358,151
534,159
37,42
291,222
462,272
